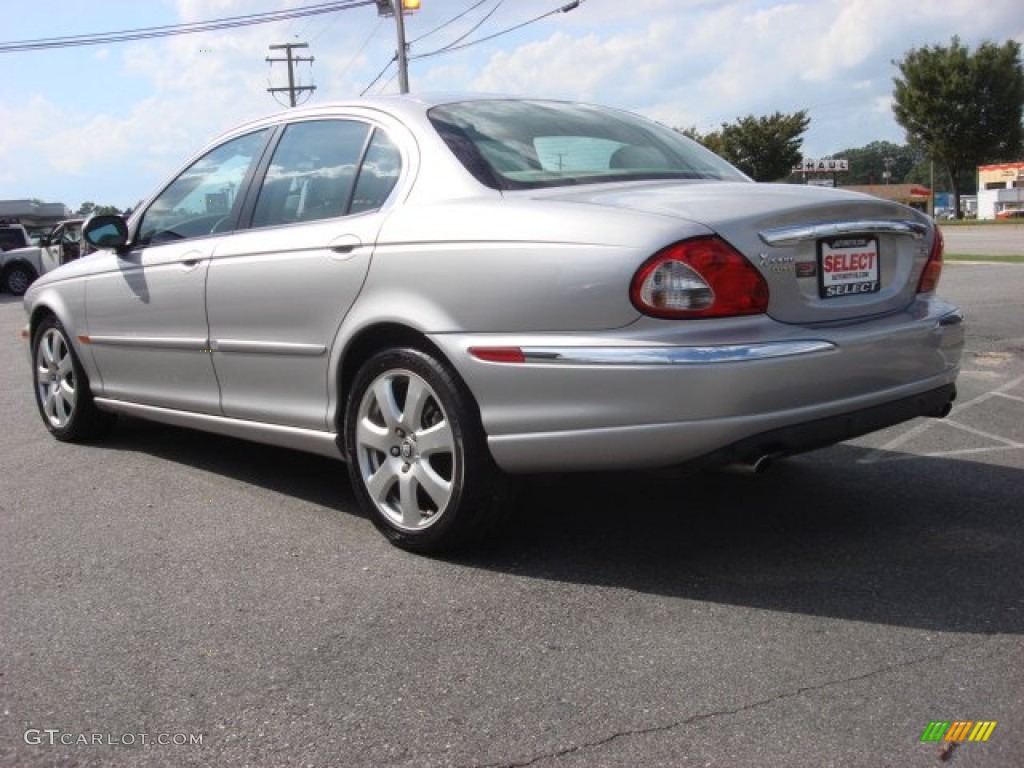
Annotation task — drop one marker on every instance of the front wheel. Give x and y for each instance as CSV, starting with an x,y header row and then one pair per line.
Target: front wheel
x,y
417,455
61,387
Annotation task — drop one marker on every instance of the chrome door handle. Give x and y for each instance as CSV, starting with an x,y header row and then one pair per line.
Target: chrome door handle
x,y
344,245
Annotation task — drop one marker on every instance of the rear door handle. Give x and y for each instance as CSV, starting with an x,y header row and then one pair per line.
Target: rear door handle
x,y
344,245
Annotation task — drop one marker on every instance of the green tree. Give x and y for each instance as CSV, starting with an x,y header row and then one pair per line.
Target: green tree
x,y
90,207
923,172
869,164
962,108
764,148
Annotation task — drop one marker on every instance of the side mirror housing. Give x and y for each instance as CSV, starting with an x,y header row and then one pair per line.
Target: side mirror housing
x,y
106,232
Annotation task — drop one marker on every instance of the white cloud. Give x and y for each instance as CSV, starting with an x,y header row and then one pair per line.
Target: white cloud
x,y
138,110
703,63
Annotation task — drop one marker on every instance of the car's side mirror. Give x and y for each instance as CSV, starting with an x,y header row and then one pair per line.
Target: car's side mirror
x,y
106,231
44,241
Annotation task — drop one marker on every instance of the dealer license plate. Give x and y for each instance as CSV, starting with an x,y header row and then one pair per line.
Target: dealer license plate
x,y
848,266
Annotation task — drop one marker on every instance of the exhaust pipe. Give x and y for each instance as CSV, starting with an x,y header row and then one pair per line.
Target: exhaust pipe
x,y
756,466
764,462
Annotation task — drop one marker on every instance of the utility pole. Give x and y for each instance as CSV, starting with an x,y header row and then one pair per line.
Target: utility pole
x,y
292,61
403,57
398,9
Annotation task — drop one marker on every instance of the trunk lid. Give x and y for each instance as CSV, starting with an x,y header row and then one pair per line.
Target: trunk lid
x,y
828,255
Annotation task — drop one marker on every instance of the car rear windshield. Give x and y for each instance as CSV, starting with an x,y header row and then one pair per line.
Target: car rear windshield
x,y
512,144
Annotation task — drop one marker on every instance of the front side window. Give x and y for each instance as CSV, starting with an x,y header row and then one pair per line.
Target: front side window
x,y
508,144
325,168
203,198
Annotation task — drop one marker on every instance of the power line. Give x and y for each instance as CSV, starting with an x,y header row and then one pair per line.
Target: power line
x,y
379,75
302,30
347,67
475,27
388,82
143,33
452,20
452,47
449,48
330,23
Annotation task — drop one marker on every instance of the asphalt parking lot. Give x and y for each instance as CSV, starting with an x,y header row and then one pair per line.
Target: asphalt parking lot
x,y
178,585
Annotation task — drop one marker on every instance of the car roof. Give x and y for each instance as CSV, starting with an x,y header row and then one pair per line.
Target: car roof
x,y
397,104
405,102
411,107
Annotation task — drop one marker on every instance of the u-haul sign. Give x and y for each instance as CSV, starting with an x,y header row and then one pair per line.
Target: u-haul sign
x,y
822,165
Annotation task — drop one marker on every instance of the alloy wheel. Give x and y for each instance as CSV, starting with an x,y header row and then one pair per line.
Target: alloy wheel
x,y
406,448
56,386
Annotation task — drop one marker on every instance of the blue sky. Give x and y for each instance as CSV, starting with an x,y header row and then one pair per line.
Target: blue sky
x,y
110,123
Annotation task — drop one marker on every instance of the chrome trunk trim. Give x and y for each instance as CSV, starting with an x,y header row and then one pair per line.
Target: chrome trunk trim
x,y
802,232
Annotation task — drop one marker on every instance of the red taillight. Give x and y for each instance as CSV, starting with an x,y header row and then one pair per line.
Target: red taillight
x,y
703,277
933,269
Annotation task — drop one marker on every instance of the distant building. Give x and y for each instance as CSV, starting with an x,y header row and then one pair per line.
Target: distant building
x,y
944,205
1000,188
914,195
35,215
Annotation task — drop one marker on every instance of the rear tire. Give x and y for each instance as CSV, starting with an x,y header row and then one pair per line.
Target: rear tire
x,y
62,389
418,458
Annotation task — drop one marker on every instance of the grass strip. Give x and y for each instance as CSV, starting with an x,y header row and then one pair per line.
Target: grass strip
x,y
1002,258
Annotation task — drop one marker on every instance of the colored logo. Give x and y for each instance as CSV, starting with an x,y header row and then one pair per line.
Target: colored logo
x,y
958,730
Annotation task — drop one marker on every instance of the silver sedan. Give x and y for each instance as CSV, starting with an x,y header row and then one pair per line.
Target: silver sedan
x,y
444,292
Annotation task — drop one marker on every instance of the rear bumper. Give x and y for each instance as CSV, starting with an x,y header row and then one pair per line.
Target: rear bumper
x,y
810,435
711,393
714,442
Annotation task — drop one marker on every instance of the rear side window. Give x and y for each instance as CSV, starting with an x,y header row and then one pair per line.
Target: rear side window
x,y
509,144
378,175
326,168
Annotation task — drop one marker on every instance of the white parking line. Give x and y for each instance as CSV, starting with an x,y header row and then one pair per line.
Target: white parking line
x,y
882,453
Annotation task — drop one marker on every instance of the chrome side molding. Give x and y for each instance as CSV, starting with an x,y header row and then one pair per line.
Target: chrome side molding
x,y
710,355
802,232
269,347
185,343
190,344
